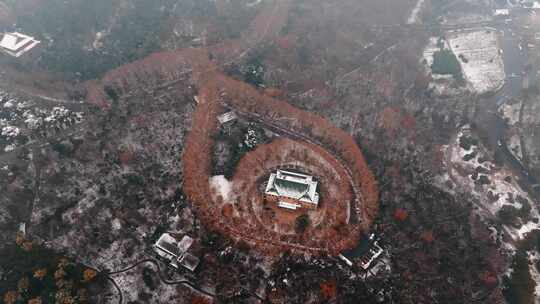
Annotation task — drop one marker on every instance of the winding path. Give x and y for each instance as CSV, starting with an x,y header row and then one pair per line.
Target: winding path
x,y
164,280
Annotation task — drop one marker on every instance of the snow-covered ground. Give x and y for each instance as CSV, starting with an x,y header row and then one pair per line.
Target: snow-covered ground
x,y
382,266
479,55
22,119
535,274
441,84
514,145
221,186
501,189
414,16
430,49
457,18
253,3
127,247
510,112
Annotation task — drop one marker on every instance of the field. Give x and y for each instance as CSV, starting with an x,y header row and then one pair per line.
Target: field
x,y
480,60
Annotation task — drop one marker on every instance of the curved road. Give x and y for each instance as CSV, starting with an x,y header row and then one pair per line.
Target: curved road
x,y
164,280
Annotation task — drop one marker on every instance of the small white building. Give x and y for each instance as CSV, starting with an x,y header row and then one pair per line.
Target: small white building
x,y
292,190
16,44
176,252
22,228
501,12
227,118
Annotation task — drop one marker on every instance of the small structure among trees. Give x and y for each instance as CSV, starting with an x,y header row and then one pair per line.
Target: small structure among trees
x,y
176,253
292,190
373,253
227,118
16,44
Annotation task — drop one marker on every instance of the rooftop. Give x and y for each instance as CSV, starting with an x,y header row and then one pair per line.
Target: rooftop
x,y
169,248
17,44
189,261
168,243
501,12
293,185
227,117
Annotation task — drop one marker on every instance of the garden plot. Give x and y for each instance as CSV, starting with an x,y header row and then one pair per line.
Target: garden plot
x,y
480,58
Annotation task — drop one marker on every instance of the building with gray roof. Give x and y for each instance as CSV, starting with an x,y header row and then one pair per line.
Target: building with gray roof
x,y
292,190
175,252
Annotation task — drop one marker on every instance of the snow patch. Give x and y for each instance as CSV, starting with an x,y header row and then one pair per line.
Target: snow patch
x,y
441,85
10,131
510,112
535,274
413,17
221,186
254,3
116,225
480,58
501,189
514,144
9,148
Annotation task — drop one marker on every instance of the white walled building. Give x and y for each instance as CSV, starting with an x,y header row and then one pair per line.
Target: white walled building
x,y
16,44
292,190
176,252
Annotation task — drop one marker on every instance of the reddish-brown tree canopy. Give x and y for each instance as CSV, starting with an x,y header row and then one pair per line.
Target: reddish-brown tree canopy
x,y
318,132
215,88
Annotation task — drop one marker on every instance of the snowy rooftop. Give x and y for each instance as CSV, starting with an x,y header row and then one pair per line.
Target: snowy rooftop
x,y
501,12
293,185
226,117
189,261
168,244
175,252
373,253
17,44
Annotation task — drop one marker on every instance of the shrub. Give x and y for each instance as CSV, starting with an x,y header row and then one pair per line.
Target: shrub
x,y
466,142
302,222
508,215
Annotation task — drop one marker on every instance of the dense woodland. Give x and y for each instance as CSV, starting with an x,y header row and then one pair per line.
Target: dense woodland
x,y
353,86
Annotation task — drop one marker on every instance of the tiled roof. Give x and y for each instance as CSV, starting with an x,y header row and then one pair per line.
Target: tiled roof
x,y
293,185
